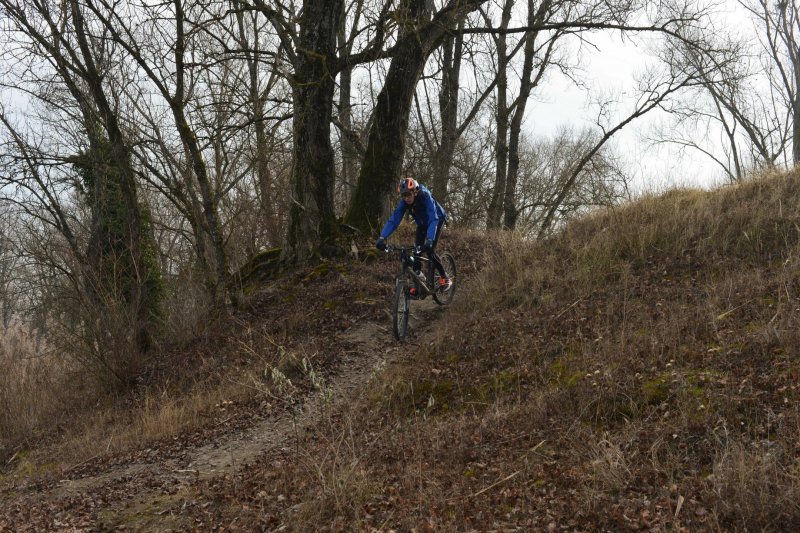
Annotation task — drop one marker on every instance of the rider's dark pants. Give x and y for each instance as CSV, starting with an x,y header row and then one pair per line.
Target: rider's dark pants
x,y
422,232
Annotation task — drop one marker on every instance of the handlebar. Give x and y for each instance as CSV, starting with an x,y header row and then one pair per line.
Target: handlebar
x,y
392,248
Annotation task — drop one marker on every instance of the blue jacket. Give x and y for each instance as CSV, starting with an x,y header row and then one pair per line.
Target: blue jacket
x,y
425,210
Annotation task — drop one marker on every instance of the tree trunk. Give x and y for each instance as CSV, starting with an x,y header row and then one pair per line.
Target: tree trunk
x,y
527,83
349,152
142,298
495,210
387,138
312,223
210,220
796,124
448,109
252,54
383,159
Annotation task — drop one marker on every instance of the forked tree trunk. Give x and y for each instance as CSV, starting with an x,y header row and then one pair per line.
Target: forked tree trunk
x,y
495,210
383,159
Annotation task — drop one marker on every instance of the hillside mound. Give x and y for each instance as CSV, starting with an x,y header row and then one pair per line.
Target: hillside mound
x,y
637,371
247,385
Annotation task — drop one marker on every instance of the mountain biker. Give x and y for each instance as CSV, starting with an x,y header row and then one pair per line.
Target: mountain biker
x,y
429,217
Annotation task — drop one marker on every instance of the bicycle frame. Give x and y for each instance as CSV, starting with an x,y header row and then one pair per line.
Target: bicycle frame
x,y
410,257
409,285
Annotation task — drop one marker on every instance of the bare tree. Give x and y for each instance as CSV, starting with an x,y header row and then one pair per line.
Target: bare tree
x,y
8,265
452,53
548,22
422,33
743,115
64,42
752,125
468,196
655,88
529,78
459,103
780,37
256,55
546,164
349,145
309,41
169,28
502,114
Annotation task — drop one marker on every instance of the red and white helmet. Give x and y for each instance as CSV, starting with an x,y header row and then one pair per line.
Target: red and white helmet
x,y
407,184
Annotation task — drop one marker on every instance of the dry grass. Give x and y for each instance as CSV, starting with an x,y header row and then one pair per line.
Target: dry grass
x,y
266,352
157,417
35,384
637,371
757,485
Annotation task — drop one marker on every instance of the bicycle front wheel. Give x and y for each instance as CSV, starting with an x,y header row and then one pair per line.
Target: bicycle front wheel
x,y
400,311
444,297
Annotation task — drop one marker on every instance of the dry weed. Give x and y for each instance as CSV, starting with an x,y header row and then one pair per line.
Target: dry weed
x,y
338,476
609,465
757,486
33,385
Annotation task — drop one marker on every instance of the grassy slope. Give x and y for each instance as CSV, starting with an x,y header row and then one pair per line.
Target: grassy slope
x,y
194,392
638,371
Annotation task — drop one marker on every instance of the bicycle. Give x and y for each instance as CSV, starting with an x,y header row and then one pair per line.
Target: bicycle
x,y
412,284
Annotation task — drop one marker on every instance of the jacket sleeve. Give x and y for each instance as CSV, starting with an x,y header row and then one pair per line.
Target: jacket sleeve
x,y
433,216
394,220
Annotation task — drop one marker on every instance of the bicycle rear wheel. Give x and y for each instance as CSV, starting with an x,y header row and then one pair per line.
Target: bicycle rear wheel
x,y
445,297
400,311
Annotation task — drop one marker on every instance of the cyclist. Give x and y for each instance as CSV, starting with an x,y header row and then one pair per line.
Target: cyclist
x,y
429,217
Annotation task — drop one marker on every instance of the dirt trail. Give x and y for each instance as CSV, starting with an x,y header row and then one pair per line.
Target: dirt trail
x,y
141,494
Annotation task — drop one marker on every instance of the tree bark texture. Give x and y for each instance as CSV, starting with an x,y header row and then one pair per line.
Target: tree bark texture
x,y
448,110
312,227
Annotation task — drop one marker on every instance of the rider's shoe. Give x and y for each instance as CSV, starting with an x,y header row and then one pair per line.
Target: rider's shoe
x,y
445,284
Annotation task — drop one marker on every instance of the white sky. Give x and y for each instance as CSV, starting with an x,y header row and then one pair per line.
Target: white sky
x,y
612,68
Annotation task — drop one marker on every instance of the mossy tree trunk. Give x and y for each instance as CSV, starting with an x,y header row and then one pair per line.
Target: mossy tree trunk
x,y
122,235
313,228
119,274
175,85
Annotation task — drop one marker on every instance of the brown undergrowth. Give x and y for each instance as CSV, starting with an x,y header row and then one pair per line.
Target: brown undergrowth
x,y
637,371
266,358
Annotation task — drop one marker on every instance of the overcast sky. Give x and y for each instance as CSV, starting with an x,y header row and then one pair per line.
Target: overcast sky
x,y
612,68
